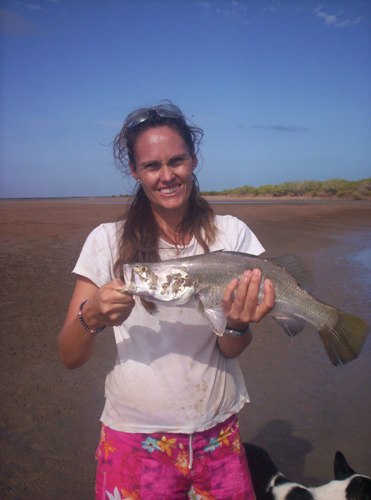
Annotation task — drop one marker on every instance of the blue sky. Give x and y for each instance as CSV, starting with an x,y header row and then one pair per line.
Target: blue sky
x,y
282,89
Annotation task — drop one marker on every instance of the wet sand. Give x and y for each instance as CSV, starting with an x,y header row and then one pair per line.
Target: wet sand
x,y
302,408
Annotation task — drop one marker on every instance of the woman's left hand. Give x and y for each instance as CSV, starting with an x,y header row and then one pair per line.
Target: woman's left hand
x,y
241,299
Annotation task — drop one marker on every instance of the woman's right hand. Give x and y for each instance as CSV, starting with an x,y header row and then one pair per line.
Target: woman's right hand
x,y
105,306
109,305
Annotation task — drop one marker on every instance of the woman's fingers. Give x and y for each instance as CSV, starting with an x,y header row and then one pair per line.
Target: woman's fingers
x,y
111,305
241,298
268,297
229,295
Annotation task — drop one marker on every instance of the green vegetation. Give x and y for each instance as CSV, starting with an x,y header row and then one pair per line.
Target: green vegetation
x,y
333,188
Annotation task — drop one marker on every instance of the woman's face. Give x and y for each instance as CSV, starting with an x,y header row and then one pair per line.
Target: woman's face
x,y
164,167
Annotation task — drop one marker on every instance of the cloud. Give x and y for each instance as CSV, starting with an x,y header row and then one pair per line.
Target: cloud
x,y
231,10
335,20
270,9
56,123
32,6
281,128
15,25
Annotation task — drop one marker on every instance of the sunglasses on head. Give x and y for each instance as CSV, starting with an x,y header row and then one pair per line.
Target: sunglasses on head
x,y
143,114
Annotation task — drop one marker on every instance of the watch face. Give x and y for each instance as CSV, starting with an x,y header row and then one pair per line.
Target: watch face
x,y
236,333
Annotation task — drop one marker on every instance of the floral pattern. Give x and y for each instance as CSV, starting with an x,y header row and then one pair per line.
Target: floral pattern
x,y
106,448
124,459
220,440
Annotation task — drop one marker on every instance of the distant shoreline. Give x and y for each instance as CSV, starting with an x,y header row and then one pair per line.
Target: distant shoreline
x,y
331,189
209,198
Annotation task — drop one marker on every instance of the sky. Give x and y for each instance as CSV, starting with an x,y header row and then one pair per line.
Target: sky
x,y
282,89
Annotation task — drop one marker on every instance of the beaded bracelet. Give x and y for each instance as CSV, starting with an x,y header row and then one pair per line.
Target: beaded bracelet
x,y
82,321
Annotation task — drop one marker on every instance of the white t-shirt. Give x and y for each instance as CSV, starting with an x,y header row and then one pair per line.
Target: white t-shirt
x,y
169,375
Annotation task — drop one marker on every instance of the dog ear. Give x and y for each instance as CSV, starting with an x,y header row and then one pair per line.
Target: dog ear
x,y
359,488
342,469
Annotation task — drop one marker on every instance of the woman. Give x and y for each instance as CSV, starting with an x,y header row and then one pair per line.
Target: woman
x,y
169,425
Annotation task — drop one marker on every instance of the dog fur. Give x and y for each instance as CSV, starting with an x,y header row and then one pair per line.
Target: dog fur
x,y
270,484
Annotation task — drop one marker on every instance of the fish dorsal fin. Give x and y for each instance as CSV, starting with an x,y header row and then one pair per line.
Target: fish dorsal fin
x,y
291,324
297,268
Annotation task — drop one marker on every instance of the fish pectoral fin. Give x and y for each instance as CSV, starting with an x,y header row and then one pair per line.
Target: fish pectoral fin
x,y
216,318
149,306
213,313
292,325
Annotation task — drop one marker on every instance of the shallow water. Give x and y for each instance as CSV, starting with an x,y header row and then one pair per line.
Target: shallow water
x,y
302,408
364,257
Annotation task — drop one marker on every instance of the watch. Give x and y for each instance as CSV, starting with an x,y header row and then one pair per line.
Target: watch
x,y
237,333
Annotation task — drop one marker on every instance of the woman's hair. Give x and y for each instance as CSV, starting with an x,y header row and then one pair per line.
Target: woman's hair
x,y
139,241
137,122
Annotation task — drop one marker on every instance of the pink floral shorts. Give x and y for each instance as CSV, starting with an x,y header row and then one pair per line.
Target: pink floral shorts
x,y
205,465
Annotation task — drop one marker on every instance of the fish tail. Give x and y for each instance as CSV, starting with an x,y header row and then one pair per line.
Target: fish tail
x,y
343,342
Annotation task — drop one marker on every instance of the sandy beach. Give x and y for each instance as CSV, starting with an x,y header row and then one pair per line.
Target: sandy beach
x,y
302,408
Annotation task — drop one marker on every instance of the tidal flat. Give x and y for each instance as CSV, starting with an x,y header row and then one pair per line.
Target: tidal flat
x,y
302,408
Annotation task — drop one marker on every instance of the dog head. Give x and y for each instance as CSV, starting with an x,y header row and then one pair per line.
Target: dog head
x,y
358,486
348,485
270,484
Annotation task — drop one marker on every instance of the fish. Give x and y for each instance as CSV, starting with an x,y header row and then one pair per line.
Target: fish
x,y
200,280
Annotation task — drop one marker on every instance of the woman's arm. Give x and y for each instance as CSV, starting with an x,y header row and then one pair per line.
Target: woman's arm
x,y
241,306
105,306
232,345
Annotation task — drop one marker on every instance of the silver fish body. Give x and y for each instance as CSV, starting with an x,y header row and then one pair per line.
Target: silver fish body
x,y
203,278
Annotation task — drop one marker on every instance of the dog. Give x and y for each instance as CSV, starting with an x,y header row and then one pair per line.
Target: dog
x,y
270,484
